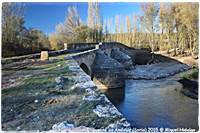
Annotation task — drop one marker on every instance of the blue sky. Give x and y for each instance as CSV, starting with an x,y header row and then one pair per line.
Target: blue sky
x,y
45,16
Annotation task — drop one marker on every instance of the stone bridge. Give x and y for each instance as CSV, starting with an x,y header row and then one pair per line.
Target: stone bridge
x,y
107,63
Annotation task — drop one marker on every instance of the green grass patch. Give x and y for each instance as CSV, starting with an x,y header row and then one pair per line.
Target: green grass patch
x,y
47,65
43,77
193,75
31,85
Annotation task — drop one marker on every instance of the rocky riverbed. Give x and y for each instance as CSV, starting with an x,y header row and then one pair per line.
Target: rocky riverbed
x,y
54,95
157,71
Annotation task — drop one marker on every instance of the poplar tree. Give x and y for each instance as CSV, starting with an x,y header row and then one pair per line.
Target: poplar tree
x,y
128,25
149,21
117,28
66,31
189,19
135,30
121,31
94,21
109,25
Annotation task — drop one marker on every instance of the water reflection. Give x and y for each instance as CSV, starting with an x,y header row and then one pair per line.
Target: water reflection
x,y
159,103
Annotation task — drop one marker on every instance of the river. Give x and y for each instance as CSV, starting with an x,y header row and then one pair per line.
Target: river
x,y
155,103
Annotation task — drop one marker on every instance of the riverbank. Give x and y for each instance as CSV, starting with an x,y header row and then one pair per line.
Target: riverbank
x,y
189,60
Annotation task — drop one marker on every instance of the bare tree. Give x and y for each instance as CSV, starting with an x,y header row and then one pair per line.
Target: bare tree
x,y
12,22
66,31
149,21
94,20
109,24
121,30
128,25
117,27
135,29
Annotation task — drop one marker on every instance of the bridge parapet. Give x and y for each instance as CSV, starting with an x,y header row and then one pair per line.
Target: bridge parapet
x,y
81,45
112,45
86,59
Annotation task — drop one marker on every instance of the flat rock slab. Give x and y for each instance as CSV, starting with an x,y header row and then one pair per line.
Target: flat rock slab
x,y
156,71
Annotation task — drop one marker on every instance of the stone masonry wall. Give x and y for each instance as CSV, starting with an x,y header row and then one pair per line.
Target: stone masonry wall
x,y
104,109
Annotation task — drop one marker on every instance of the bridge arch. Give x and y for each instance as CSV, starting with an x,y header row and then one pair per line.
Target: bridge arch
x,y
85,68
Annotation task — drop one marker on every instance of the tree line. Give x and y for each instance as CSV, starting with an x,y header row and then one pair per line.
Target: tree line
x,y
160,27
16,38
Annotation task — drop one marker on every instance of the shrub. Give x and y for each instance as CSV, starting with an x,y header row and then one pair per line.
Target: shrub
x,y
193,75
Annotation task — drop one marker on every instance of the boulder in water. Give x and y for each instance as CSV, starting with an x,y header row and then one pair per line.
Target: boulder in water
x,y
190,88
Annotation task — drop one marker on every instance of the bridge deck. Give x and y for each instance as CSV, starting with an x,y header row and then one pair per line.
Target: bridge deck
x,y
32,99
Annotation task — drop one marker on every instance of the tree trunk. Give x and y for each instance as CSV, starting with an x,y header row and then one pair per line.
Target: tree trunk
x,y
175,46
152,43
190,43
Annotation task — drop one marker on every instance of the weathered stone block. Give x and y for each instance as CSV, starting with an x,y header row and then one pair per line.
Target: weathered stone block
x,y
65,46
44,55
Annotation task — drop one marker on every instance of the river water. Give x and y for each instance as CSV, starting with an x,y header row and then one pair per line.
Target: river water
x,y
155,103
